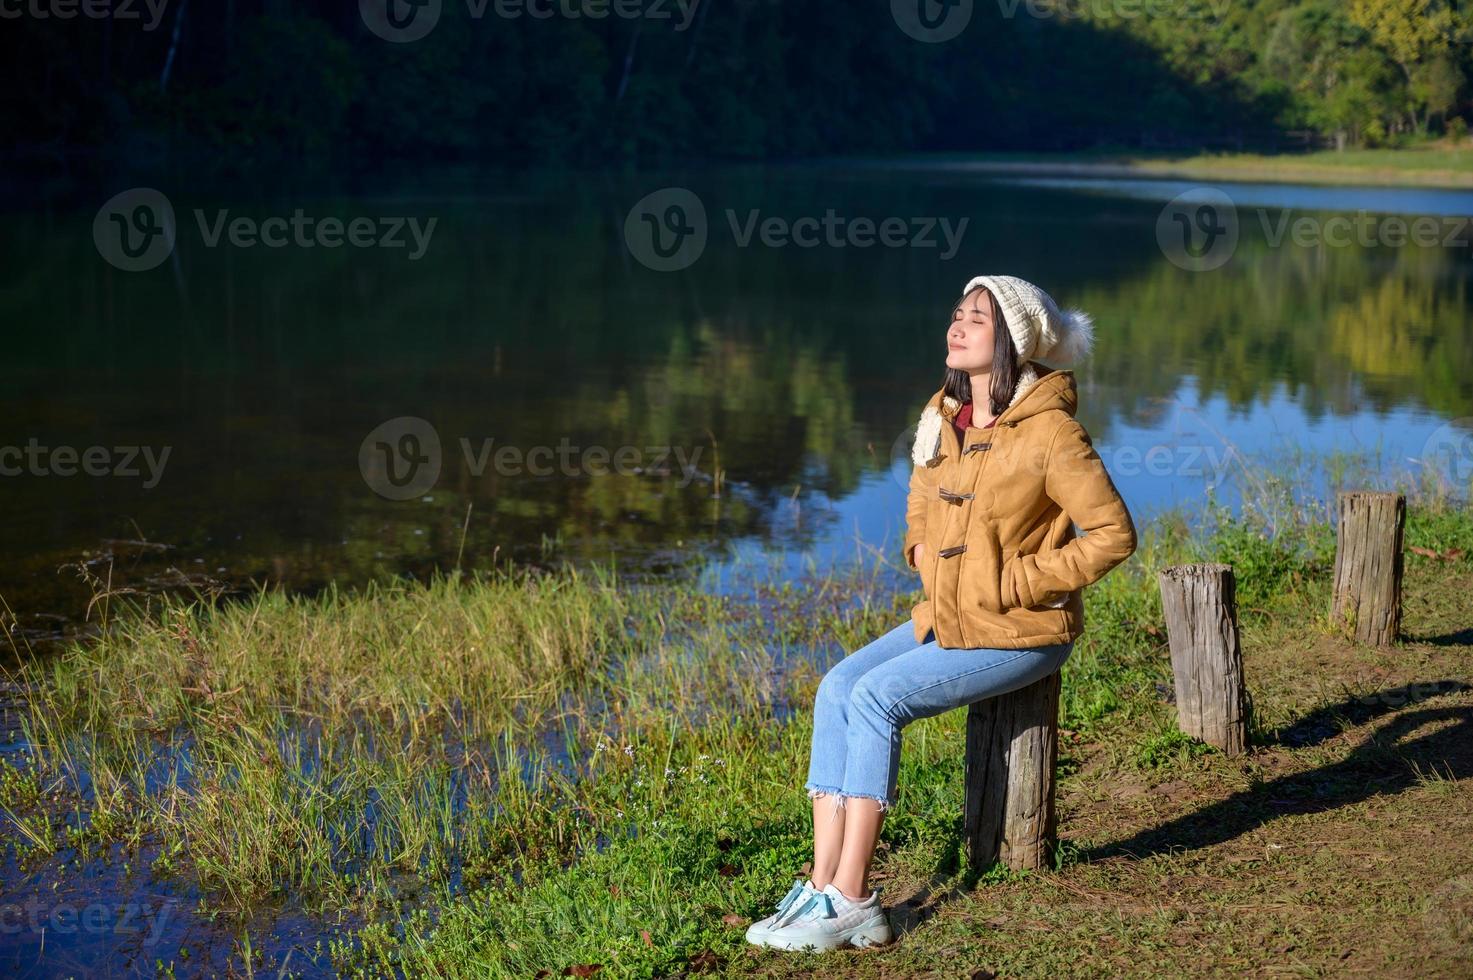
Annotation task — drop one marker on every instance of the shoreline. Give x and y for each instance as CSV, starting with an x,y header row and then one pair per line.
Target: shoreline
x,y
1246,168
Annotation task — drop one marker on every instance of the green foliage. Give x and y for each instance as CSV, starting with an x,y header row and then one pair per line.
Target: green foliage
x,y
287,93
1443,529
307,82
1169,746
1275,552
1263,567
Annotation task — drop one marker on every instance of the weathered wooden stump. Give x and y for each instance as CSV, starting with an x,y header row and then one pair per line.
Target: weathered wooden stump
x,y
1200,605
1368,565
1012,748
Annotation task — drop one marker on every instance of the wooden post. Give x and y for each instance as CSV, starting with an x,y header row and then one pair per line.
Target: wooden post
x,y
1368,565
1200,605
1012,749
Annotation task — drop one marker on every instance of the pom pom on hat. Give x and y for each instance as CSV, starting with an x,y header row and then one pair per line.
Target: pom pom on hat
x,y
1074,341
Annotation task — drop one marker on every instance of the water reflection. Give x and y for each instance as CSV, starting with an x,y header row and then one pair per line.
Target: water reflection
x,y
779,378
1337,198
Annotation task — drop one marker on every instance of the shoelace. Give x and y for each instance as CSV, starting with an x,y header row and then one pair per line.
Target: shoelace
x,y
805,909
798,889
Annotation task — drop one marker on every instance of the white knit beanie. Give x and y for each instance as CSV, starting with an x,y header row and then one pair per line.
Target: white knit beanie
x,y
1039,329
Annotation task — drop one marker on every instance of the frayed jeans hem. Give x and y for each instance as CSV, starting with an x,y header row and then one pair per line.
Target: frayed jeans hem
x,y
815,792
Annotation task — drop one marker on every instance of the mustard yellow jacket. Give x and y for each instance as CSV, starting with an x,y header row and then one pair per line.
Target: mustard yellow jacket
x,y
1002,565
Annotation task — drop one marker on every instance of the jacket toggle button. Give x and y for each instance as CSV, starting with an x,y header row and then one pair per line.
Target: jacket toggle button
x,y
954,550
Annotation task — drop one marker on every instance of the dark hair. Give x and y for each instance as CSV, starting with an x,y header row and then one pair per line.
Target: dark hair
x,y
1005,366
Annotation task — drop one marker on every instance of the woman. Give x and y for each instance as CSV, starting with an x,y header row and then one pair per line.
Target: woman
x,y
996,490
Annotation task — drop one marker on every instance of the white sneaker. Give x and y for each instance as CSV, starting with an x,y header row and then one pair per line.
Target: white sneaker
x,y
827,920
759,930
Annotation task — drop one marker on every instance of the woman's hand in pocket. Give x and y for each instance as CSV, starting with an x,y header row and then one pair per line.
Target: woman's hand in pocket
x,y
918,554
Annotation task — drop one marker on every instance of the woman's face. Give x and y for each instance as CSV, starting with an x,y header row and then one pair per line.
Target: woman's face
x,y
969,339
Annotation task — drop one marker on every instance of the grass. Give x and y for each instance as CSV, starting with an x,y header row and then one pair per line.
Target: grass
x,y
525,774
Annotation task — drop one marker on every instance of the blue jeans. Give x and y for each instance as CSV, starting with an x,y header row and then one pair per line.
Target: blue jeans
x,y
868,697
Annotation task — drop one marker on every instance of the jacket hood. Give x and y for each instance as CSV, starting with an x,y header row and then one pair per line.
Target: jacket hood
x,y
1040,389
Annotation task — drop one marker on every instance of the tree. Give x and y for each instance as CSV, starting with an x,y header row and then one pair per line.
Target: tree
x,y
1414,34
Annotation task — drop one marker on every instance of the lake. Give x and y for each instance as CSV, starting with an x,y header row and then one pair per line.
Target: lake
x,y
684,372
